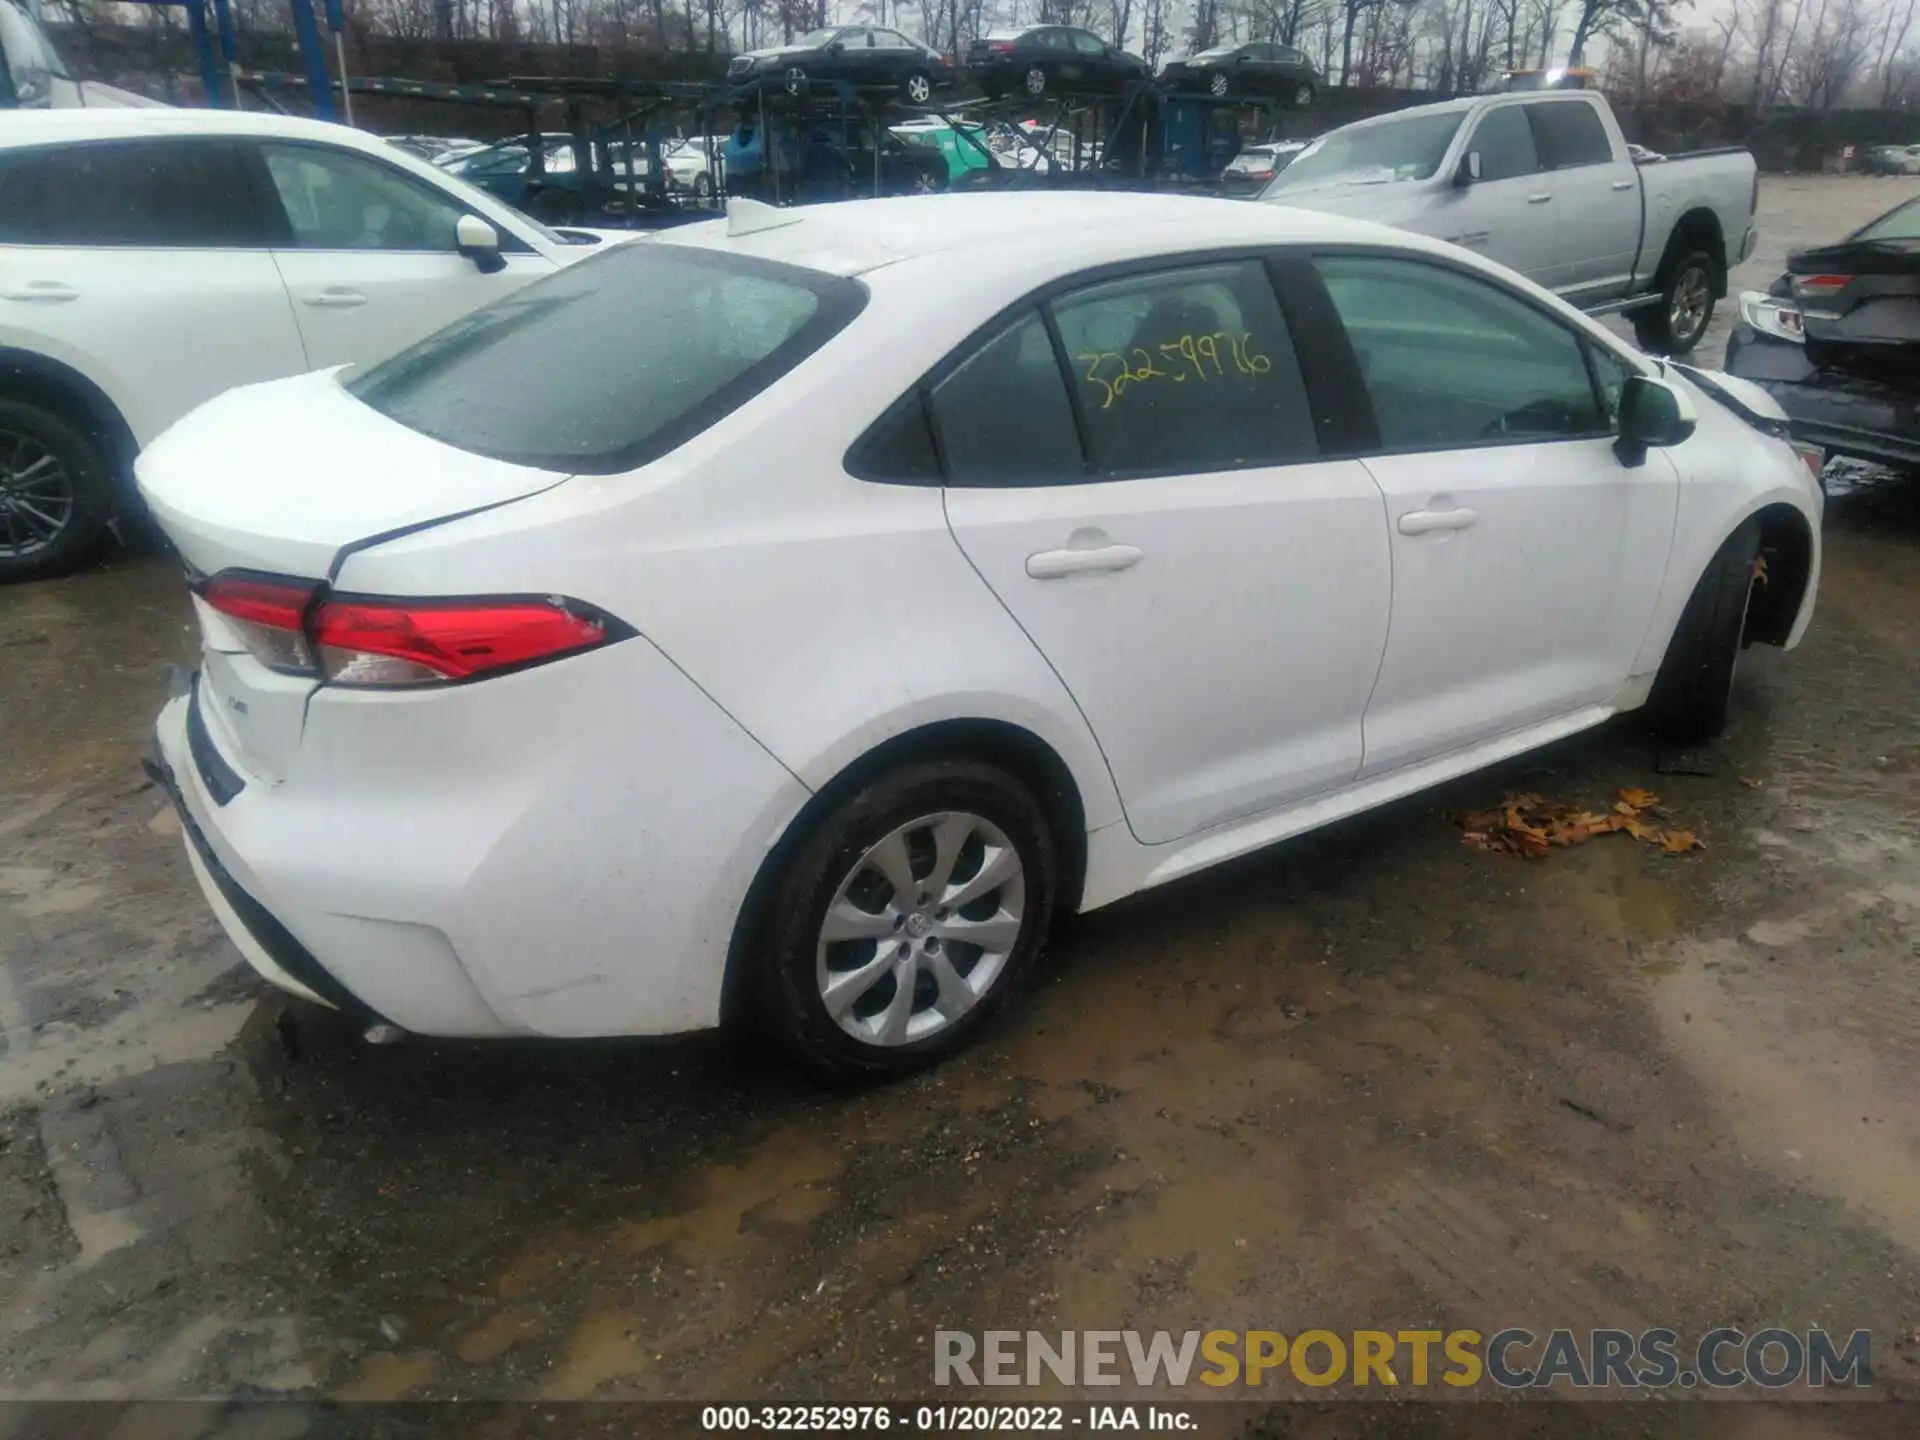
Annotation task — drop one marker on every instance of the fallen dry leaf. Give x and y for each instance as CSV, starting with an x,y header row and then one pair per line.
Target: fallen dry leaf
x,y
1530,826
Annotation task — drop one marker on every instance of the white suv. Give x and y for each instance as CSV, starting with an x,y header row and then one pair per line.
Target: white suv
x,y
151,259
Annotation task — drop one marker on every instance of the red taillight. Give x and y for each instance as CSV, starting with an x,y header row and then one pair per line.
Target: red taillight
x,y
291,626
1821,282
268,616
424,642
999,47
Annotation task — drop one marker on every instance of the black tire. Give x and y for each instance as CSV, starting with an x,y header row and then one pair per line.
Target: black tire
x,y
1658,329
1690,694
35,441
1217,83
785,955
1302,96
1034,82
703,187
796,80
917,88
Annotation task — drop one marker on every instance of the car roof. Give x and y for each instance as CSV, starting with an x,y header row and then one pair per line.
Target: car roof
x,y
61,127
1062,232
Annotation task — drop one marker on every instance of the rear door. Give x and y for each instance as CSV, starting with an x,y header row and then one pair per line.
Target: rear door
x,y
1526,556
368,252
144,265
1210,586
1596,199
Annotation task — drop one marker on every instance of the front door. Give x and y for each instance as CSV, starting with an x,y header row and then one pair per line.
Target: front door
x,y
1213,593
1526,556
1508,213
370,258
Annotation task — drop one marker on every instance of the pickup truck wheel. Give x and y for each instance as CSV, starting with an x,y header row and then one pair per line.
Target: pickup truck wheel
x,y
1690,694
56,493
1677,323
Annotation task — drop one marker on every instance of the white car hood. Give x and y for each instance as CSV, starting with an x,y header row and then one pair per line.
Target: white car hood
x,y
279,477
1746,392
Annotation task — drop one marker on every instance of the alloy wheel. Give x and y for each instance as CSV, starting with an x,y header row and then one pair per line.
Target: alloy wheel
x,y
1692,299
919,89
921,928
36,495
1036,80
796,80
1218,84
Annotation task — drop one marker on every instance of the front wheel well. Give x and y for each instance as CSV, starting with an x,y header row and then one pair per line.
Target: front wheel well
x,y
38,380
1786,547
1019,751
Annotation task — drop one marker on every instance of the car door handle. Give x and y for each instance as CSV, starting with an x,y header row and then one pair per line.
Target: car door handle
x,y
334,297
1623,184
1425,522
1542,198
41,292
1057,564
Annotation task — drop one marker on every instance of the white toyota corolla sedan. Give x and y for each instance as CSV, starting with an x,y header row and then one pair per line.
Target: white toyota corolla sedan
x,y
784,618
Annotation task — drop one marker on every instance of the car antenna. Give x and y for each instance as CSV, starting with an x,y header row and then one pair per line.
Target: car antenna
x,y
749,217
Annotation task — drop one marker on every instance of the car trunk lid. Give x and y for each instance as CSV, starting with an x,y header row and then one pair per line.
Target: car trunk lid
x,y
282,480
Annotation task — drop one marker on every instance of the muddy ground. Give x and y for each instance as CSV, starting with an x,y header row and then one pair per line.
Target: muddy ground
x,y
1371,1079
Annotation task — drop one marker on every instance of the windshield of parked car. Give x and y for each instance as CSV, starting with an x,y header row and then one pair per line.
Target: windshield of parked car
x,y
613,362
1900,224
1387,150
454,179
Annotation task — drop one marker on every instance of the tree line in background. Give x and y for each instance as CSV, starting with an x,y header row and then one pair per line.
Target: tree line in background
x,y
1814,54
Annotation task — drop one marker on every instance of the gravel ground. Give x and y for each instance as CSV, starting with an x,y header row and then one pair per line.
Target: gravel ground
x,y
1371,1079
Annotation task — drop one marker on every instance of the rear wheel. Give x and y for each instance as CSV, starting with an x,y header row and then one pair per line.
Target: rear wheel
x,y
1302,96
1035,81
918,88
906,919
1217,83
1676,324
796,80
1691,693
56,493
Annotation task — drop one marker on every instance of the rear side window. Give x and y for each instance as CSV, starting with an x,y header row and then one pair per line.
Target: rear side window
x,y
612,362
1569,133
1186,371
1004,416
175,194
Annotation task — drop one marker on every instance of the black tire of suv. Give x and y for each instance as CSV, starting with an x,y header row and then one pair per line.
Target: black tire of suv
x,y
786,1002
1690,695
1653,327
89,476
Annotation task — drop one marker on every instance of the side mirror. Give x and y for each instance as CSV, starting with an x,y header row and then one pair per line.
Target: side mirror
x,y
1468,170
480,243
1652,414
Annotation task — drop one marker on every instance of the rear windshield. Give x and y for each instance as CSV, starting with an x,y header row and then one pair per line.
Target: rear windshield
x,y
614,361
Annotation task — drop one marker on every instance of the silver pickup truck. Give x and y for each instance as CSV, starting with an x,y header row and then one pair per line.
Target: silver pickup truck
x,y
1544,182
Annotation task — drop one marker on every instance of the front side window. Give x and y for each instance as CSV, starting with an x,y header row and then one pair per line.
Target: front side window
x,y
1569,134
1451,361
1409,149
612,362
1186,371
1003,413
149,193
890,40
1505,142
336,201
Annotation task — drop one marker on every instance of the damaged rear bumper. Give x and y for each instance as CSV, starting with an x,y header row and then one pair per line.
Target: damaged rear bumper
x,y
1844,413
